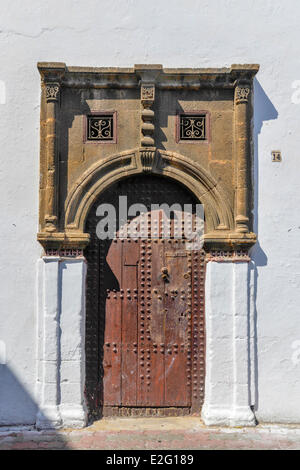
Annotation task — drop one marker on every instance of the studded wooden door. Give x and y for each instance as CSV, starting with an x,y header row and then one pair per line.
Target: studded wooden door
x,y
145,311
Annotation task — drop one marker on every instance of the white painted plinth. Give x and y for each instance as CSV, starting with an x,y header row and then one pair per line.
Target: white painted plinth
x,y
61,342
227,382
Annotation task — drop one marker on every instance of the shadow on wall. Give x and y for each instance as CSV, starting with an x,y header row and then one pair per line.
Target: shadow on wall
x,y
22,410
264,110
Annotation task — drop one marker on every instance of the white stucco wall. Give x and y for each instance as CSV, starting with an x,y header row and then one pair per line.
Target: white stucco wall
x,y
192,33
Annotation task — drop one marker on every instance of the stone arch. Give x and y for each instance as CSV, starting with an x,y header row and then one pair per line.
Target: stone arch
x,y
102,174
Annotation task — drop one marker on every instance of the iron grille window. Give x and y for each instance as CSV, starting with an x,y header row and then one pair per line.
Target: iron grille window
x,y
192,127
100,127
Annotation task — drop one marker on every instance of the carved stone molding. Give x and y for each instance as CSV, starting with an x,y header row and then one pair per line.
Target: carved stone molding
x,y
170,164
219,217
220,256
64,253
164,78
67,240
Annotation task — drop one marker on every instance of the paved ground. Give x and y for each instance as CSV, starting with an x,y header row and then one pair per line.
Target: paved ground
x,y
185,433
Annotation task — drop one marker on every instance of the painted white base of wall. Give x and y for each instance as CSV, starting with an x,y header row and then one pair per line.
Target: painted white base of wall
x,y
227,382
61,341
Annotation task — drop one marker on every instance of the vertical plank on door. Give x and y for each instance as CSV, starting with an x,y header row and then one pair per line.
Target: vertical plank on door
x,y
112,334
129,325
177,330
151,333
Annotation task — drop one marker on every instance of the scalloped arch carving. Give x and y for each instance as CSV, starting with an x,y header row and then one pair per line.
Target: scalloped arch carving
x,y
219,214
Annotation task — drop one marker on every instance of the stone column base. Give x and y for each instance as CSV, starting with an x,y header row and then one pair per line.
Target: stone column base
x,y
73,416
222,416
48,417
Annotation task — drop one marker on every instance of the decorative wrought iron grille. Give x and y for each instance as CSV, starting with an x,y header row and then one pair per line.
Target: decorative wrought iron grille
x,y
100,127
192,127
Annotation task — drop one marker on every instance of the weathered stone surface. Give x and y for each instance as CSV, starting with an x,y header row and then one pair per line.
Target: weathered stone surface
x,y
146,102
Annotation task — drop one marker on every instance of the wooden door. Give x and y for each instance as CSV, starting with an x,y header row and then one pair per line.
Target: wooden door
x,y
145,313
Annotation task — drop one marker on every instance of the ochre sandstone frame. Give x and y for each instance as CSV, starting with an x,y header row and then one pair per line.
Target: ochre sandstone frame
x,y
147,100
65,199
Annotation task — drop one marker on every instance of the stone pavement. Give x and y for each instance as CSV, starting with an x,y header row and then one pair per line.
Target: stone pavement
x,y
182,433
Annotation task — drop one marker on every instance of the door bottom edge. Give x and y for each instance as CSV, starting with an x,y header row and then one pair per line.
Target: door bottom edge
x,y
109,411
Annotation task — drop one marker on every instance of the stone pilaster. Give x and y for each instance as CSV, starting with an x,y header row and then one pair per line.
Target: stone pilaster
x,y
48,415
227,382
52,75
52,98
242,156
61,342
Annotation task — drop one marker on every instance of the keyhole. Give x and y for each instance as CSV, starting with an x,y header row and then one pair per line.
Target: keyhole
x,y
165,273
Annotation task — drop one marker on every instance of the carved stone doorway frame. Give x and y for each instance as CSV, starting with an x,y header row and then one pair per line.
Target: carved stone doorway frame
x,y
63,212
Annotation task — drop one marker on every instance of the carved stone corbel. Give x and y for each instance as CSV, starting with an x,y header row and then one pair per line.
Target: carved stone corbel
x,y
147,158
147,126
147,76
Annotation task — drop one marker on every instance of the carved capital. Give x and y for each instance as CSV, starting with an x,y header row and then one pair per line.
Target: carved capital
x,y
147,93
52,91
242,94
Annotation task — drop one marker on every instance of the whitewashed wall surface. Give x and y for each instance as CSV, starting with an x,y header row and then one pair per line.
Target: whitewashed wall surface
x,y
175,33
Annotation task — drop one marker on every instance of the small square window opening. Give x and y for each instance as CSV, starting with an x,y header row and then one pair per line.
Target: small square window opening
x,y
101,127
192,127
